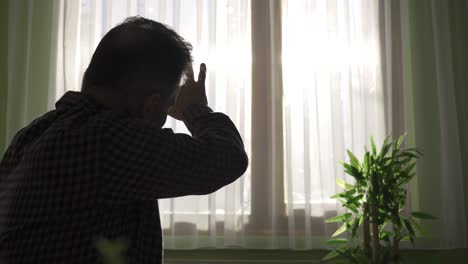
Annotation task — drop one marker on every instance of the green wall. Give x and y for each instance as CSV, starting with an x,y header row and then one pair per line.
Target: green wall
x,y
27,96
459,38
3,69
423,103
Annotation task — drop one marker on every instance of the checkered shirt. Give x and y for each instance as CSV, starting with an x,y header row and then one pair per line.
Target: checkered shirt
x,y
82,171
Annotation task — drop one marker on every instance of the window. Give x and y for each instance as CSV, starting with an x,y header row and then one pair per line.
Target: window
x,y
333,93
301,79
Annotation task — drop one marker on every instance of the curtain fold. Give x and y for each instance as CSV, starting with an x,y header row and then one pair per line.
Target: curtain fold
x,y
29,64
436,117
268,219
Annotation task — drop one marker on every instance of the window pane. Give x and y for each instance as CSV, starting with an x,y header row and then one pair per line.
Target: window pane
x,y
333,97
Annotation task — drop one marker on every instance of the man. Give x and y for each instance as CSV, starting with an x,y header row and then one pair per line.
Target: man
x,y
96,165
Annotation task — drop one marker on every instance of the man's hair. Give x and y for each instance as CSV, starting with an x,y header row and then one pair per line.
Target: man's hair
x,y
138,49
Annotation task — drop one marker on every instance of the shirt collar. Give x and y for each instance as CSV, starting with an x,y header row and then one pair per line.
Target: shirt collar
x,y
72,99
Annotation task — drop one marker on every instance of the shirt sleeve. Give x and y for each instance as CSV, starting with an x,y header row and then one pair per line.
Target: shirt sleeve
x,y
143,162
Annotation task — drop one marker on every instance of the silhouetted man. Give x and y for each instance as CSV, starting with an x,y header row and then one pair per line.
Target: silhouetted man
x,y
96,165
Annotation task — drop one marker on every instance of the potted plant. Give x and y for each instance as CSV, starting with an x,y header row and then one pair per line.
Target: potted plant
x,y
376,221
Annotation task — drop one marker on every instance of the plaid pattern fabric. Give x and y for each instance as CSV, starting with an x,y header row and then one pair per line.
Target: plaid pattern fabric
x,y
81,172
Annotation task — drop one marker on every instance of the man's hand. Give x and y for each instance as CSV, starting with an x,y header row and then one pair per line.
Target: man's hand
x,y
190,93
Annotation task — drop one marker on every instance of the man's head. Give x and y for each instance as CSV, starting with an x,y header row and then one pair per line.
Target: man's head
x,y
137,67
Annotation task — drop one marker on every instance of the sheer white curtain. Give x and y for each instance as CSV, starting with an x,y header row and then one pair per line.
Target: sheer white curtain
x,y
335,98
303,81
333,94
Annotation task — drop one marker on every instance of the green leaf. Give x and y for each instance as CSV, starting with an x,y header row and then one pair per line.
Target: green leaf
x,y
409,168
345,196
340,218
340,230
336,196
349,194
348,168
405,178
353,208
385,235
352,171
422,215
374,148
366,162
353,204
357,221
400,140
337,241
385,147
341,200
355,199
409,154
410,229
405,238
418,226
332,254
344,184
415,150
354,160
339,195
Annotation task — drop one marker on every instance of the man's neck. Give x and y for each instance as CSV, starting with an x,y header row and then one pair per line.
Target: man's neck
x,y
113,100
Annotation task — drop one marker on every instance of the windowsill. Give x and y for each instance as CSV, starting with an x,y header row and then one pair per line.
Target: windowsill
x,y
296,257
242,256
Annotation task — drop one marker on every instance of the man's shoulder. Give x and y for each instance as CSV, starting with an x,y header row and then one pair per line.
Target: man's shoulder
x,y
33,129
111,123
110,120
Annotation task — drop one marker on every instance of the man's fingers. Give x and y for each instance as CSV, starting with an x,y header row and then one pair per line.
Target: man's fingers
x,y
172,112
189,74
202,74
